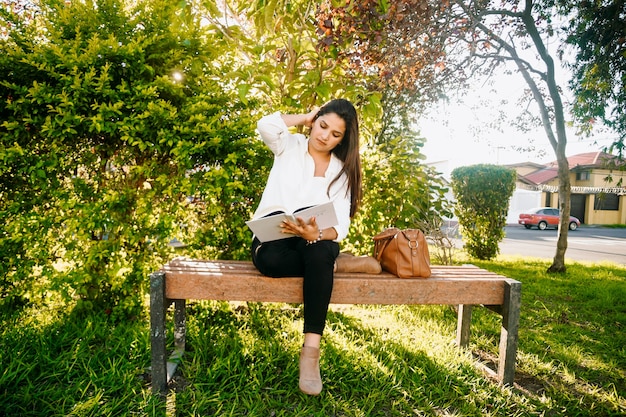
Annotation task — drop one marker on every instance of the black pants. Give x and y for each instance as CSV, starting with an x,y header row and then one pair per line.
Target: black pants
x,y
292,257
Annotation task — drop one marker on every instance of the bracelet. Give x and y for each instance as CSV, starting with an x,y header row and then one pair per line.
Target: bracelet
x,y
311,242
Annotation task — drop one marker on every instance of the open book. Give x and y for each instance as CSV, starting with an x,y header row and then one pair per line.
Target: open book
x,y
268,228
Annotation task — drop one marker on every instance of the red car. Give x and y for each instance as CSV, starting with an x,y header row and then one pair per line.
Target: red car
x,y
545,217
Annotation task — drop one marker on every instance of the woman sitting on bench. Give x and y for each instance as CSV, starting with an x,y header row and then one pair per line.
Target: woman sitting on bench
x,y
307,171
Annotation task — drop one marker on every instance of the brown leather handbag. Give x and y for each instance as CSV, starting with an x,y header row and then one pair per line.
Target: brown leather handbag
x,y
404,253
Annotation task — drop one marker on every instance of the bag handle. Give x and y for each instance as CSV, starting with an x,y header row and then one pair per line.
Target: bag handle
x,y
379,247
381,241
386,234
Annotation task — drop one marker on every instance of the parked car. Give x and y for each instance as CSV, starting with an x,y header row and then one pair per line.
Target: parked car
x,y
544,217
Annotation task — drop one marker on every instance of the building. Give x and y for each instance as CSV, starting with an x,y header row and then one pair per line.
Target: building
x,y
598,187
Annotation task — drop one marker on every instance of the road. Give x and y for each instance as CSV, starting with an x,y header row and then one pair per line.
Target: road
x,y
594,244
588,243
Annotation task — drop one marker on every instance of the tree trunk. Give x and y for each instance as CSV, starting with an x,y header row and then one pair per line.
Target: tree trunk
x,y
560,141
558,263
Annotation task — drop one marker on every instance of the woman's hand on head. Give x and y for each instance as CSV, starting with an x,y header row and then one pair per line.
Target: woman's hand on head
x,y
309,118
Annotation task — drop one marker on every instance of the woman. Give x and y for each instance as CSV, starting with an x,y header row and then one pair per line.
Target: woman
x,y
306,172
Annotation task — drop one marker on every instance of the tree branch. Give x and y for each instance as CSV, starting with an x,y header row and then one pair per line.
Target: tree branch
x,y
555,94
525,67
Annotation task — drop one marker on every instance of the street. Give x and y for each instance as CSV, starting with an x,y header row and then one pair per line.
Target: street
x,y
588,243
594,244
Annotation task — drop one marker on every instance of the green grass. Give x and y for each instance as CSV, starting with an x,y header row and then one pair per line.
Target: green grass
x,y
615,226
241,358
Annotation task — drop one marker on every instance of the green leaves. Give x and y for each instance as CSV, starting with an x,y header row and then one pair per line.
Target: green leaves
x,y
97,139
597,32
482,195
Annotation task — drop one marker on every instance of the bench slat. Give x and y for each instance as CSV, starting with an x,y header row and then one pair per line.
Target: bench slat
x,y
230,265
436,272
345,291
239,267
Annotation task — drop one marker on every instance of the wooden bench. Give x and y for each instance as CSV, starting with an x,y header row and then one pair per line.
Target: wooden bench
x,y
464,286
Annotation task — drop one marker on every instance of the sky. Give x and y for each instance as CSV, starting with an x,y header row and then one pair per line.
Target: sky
x,y
462,131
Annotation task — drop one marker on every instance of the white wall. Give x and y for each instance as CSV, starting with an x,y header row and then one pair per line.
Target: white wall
x,y
520,201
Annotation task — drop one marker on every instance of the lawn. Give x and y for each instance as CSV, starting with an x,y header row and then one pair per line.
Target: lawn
x,y
377,360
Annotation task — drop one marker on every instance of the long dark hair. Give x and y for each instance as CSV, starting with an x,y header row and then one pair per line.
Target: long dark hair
x,y
348,149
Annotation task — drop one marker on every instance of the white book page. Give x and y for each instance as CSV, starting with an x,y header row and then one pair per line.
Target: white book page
x,y
267,229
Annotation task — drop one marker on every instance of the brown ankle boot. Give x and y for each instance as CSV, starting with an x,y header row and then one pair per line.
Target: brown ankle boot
x,y
310,378
365,264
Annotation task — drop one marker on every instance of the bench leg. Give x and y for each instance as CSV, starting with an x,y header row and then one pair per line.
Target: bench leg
x,y
180,326
464,319
158,309
508,333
